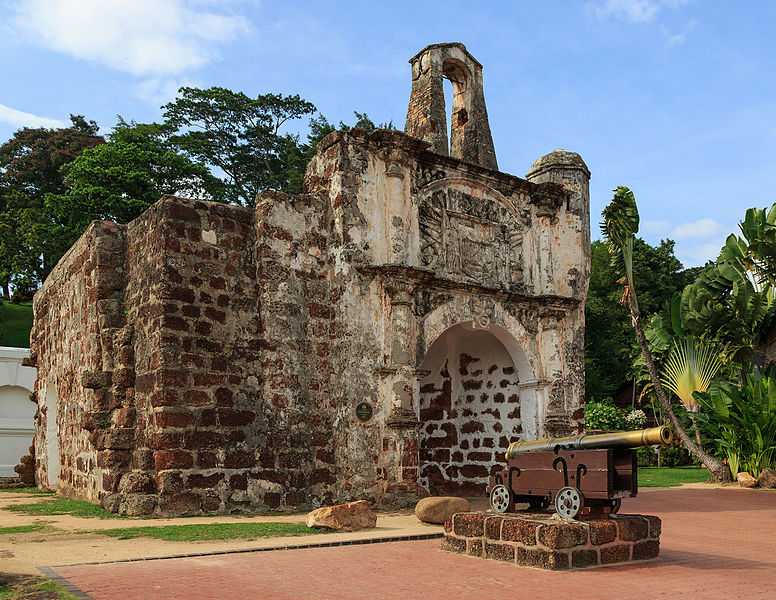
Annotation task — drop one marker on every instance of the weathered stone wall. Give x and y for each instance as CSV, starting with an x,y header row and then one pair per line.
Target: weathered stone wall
x,y
222,358
74,313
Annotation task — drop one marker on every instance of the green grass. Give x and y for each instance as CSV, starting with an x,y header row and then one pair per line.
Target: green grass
x,y
23,529
27,587
671,476
27,490
212,531
64,506
15,324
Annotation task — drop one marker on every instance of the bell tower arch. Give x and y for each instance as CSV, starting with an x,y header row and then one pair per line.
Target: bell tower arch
x,y
470,137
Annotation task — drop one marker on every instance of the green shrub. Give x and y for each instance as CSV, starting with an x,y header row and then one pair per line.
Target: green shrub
x,y
742,421
604,415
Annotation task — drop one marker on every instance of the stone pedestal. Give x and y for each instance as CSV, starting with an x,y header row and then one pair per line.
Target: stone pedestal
x,y
547,542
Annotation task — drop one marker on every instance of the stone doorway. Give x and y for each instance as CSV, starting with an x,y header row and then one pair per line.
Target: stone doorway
x,y
470,409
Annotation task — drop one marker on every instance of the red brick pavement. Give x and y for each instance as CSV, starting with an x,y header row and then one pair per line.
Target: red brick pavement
x,y
715,544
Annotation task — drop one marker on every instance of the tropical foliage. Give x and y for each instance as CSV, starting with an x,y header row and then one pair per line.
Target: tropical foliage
x,y
741,420
619,227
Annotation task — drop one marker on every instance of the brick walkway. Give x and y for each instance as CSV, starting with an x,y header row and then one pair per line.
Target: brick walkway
x,y
716,544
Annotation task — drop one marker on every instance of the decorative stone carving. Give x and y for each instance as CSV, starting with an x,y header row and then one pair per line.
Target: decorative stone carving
x,y
472,239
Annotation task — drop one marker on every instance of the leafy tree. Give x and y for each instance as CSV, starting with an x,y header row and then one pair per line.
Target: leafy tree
x,y
31,168
118,180
619,227
240,138
611,355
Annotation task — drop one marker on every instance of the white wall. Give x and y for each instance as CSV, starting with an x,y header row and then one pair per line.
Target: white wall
x,y
16,411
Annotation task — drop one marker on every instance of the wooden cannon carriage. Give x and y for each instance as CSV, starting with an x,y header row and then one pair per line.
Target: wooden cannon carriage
x,y
587,472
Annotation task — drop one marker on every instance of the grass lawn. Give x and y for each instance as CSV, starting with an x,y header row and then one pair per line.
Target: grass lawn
x,y
671,476
28,587
212,531
23,529
64,506
15,324
27,490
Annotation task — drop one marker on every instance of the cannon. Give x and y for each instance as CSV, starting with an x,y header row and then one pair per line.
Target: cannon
x,y
586,472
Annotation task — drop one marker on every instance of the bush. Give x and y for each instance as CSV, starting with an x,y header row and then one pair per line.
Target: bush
x,y
742,421
604,415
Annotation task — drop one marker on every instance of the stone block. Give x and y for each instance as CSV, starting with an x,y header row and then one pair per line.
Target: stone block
x,y
542,559
470,524
452,544
493,527
505,552
474,548
519,530
581,559
632,528
615,554
655,526
602,532
562,535
646,550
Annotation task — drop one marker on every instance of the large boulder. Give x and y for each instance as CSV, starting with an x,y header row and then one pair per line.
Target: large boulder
x,y
767,478
438,509
343,517
745,480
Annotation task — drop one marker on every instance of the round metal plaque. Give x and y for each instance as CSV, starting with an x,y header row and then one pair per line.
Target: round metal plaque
x,y
364,411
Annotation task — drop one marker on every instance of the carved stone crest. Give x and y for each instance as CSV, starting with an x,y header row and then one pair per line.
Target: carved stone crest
x,y
471,239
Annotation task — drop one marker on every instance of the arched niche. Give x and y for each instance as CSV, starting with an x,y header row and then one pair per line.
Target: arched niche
x,y
17,415
472,405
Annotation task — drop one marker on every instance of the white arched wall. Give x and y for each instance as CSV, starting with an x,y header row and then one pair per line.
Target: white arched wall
x,y
473,402
17,413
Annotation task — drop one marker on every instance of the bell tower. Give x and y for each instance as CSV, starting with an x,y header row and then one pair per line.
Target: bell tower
x,y
470,138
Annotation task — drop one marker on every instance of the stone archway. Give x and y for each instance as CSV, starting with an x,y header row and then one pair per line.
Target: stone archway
x,y
470,408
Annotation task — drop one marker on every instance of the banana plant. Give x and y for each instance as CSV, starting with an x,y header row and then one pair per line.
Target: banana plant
x,y
619,227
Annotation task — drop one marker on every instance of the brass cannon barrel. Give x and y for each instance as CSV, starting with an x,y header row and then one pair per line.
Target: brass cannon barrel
x,y
615,439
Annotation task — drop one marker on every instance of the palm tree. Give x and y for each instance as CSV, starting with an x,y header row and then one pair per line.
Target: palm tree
x,y
619,227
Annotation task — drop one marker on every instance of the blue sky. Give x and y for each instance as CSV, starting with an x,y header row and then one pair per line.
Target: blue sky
x,y
674,98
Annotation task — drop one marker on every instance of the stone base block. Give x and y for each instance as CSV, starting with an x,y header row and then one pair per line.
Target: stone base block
x,y
548,542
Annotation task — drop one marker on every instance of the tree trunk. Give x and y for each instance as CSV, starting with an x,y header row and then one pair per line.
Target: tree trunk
x,y
694,419
6,291
718,470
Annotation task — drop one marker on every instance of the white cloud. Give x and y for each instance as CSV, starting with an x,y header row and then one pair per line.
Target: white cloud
x,y
18,118
148,38
656,228
702,228
693,255
633,11
159,90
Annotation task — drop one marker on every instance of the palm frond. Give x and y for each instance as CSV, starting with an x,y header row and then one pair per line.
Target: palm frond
x,y
691,366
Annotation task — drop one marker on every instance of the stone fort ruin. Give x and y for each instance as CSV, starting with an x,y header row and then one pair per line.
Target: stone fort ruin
x,y
383,335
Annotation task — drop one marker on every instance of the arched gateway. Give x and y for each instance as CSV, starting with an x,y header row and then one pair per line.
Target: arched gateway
x,y
382,335
470,409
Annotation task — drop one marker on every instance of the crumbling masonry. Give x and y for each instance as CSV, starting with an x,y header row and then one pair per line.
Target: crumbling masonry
x,y
382,335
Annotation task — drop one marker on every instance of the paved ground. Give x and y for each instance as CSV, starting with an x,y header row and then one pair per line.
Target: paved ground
x,y
717,543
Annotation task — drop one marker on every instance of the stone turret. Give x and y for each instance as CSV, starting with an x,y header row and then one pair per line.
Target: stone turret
x,y
470,138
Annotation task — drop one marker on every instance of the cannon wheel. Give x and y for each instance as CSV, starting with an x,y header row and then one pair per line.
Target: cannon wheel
x,y
500,499
568,502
